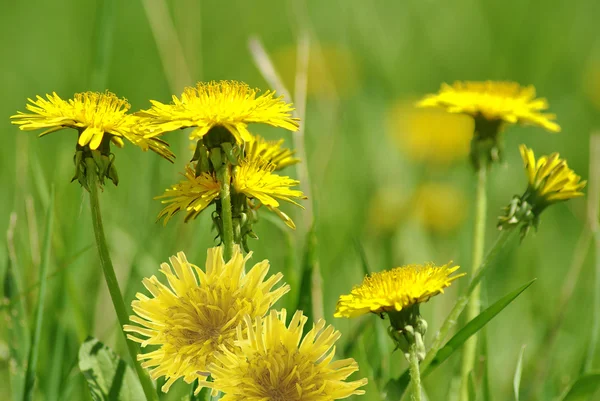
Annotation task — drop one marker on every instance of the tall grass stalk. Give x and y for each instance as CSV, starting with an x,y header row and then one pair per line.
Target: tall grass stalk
x,y
167,41
473,309
593,215
113,284
34,349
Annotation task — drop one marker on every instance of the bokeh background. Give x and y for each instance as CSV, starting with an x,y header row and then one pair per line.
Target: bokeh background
x,y
384,177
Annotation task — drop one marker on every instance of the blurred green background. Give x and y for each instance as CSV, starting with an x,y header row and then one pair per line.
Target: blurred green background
x,y
379,174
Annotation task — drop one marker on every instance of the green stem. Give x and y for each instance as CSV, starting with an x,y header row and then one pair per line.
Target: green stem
x,y
34,349
415,375
474,306
589,363
463,300
224,176
111,280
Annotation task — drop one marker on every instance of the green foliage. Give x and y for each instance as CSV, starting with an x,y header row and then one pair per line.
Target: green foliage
x,y
583,388
395,388
109,378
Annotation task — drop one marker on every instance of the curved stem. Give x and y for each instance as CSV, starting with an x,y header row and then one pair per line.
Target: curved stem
x,y
415,375
111,280
473,308
224,176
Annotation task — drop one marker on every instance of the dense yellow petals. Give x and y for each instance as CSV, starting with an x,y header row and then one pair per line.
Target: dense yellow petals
x,y
256,180
550,178
271,151
192,195
198,312
94,115
229,104
275,362
396,289
505,101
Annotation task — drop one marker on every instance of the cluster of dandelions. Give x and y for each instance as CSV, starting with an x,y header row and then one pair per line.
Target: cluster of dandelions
x,y
217,327
218,323
214,326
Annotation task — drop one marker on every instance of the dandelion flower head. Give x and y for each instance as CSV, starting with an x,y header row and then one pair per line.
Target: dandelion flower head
x,y
197,313
494,101
550,178
396,289
273,362
228,104
94,115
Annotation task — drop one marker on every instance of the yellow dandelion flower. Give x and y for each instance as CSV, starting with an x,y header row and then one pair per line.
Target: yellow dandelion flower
x,y
495,101
256,180
271,151
192,195
197,314
95,116
228,104
550,178
273,362
396,289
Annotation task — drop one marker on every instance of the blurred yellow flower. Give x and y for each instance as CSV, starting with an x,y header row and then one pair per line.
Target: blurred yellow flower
x,y
273,362
387,208
252,178
271,151
228,104
439,207
332,69
198,313
550,178
396,289
430,135
495,101
95,116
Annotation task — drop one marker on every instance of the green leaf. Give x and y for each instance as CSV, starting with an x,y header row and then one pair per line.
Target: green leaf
x,y
583,388
364,262
396,387
474,326
518,372
108,376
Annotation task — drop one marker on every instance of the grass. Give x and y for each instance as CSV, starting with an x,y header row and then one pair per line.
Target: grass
x,y
392,51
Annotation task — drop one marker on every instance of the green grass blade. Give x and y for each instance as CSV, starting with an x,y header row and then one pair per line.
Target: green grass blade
x,y
363,256
583,388
108,376
518,373
17,331
37,333
396,387
310,299
103,44
472,387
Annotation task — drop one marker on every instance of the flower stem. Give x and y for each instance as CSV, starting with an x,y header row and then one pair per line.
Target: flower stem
x,y
224,176
111,280
463,300
415,375
470,349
